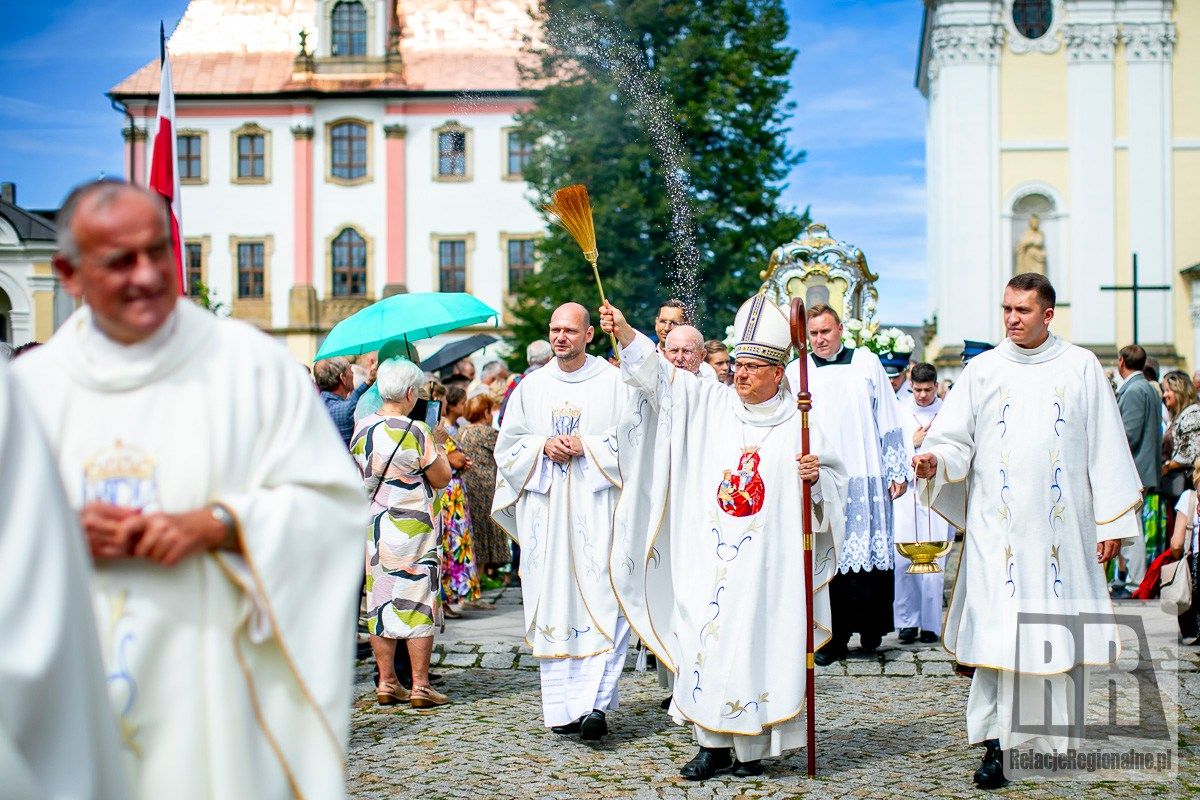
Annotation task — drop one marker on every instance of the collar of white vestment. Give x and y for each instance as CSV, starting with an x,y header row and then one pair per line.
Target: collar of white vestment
x,y
108,366
1048,350
921,411
592,367
779,408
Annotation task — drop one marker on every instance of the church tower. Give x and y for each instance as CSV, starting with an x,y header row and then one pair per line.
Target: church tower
x,y
1063,136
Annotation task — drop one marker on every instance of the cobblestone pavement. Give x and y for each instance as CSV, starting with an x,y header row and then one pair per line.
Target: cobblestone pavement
x,y
888,725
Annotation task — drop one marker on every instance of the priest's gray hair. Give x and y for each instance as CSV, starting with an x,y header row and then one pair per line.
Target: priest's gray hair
x,y
538,353
396,377
100,194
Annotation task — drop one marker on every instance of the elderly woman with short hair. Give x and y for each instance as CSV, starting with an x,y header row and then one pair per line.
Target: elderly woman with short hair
x,y
403,466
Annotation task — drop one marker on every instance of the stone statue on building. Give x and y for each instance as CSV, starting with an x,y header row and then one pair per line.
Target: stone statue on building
x,y
1030,251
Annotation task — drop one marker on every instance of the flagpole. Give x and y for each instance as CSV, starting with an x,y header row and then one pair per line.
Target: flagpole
x,y
164,164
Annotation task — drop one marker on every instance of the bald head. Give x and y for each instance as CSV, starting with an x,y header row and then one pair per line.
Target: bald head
x,y
570,333
685,348
572,312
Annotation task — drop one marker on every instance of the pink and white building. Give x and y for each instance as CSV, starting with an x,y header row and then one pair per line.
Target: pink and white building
x,y
380,158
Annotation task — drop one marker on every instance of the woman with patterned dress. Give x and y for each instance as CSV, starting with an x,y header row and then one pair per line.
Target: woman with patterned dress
x,y
403,466
460,579
1181,443
478,440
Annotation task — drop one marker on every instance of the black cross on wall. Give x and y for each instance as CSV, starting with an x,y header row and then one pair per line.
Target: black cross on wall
x,y
1135,287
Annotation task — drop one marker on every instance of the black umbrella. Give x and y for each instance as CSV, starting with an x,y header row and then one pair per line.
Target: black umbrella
x,y
456,351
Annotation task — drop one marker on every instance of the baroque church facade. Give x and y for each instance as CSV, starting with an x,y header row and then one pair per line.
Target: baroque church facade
x,y
333,152
1063,136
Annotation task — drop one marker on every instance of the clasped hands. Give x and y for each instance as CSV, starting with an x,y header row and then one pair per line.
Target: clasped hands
x,y
115,532
561,449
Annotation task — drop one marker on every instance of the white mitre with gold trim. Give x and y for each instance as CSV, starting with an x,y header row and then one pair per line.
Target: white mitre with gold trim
x,y
761,330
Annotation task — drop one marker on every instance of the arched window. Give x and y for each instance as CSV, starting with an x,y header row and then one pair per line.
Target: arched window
x,y
349,264
1032,18
349,21
348,150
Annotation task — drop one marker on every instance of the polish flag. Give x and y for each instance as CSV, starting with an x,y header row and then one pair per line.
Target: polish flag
x,y
164,175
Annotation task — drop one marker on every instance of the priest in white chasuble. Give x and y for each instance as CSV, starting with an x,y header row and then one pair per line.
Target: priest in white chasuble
x,y
918,605
58,736
856,410
708,551
556,486
222,511
1029,455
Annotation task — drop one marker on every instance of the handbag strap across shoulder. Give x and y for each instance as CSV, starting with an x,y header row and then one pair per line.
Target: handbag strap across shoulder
x,y
388,465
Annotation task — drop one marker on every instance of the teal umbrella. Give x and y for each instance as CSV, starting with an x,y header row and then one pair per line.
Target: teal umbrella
x,y
410,317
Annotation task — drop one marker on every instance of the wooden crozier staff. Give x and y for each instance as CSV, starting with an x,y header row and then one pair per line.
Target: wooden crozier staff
x,y
804,404
572,208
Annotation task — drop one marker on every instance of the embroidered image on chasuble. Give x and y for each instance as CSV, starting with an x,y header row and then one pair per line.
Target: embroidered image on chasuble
x,y
561,514
1033,463
707,559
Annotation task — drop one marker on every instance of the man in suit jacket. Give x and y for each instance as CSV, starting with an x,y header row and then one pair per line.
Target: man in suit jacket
x,y
1141,410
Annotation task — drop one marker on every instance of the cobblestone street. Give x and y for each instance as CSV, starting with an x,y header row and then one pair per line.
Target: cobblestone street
x,y
888,725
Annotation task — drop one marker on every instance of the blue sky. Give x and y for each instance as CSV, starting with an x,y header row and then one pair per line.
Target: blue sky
x,y
858,116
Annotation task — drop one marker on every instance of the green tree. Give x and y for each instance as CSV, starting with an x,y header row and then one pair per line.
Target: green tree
x,y
723,71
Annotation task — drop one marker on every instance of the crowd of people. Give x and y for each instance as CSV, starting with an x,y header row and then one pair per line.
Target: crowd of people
x,y
238,519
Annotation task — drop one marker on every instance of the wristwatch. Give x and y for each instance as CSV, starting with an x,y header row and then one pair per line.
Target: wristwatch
x,y
221,514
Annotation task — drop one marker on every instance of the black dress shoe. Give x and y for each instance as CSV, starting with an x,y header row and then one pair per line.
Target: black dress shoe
x,y
666,703
829,654
928,637
708,762
990,774
593,727
907,635
869,642
570,727
746,769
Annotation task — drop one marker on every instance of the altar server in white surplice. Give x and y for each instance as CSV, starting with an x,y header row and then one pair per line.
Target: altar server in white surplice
x,y
556,487
221,508
58,737
918,606
708,557
855,408
1029,455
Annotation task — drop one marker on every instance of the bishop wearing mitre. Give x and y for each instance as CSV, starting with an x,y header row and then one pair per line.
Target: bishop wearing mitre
x,y
708,555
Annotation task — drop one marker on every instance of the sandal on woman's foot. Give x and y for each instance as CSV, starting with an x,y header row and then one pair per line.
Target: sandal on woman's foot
x,y
391,695
450,613
426,697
